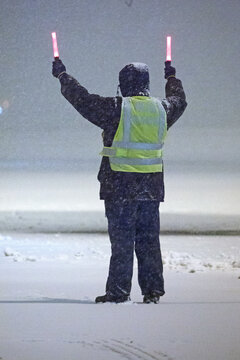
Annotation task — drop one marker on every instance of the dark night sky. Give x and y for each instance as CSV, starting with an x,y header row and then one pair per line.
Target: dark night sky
x,y
96,39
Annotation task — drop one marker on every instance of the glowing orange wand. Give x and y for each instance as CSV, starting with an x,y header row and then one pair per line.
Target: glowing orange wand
x,y
55,46
168,52
169,56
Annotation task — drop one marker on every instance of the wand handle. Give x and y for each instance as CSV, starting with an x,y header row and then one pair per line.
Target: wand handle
x,y
167,64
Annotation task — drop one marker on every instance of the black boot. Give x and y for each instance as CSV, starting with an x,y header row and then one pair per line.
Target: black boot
x,y
152,297
111,298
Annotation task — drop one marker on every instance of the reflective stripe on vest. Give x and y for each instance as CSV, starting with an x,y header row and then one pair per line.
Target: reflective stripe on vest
x,y
137,144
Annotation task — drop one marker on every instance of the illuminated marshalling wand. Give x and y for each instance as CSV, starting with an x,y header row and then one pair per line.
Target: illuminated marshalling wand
x,y
168,52
55,46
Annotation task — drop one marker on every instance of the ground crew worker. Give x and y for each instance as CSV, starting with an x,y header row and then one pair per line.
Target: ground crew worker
x,y
131,171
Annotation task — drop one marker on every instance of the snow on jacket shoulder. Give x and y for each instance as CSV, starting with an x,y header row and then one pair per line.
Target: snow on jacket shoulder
x,y
100,110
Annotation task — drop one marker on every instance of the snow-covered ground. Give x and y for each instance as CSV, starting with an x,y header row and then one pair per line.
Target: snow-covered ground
x,y
49,280
48,283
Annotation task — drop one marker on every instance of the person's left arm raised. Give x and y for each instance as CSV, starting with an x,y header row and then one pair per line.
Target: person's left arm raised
x,y
97,109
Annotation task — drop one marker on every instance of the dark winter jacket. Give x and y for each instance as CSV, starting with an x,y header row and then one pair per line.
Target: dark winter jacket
x,y
105,112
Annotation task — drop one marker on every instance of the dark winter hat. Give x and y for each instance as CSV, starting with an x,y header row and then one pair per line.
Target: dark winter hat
x,y
134,80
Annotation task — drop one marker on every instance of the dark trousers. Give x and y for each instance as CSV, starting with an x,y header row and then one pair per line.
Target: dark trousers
x,y
134,224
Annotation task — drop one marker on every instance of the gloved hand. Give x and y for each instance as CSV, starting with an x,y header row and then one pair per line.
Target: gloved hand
x,y
58,67
169,70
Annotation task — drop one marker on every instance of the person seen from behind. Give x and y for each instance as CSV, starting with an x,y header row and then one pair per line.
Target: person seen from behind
x,y
131,174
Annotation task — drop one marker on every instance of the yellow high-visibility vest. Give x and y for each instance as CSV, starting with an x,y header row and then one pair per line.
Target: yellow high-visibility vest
x,y
138,142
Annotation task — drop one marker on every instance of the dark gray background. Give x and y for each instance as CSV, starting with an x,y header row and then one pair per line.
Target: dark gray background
x,y
96,39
